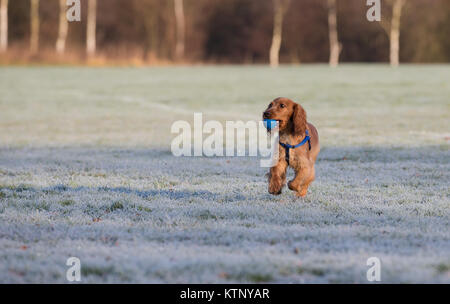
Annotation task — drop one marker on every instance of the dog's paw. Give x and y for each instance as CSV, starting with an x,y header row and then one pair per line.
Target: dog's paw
x,y
301,193
275,189
275,192
291,186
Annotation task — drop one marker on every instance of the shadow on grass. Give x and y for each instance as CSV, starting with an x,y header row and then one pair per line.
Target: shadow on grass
x,y
328,153
146,194
429,162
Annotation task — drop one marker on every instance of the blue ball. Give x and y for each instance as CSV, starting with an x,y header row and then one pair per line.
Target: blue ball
x,y
270,124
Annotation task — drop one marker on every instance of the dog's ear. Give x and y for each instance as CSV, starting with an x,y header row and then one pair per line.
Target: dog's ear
x,y
299,120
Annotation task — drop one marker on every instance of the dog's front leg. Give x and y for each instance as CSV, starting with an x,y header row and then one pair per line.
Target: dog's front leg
x,y
277,177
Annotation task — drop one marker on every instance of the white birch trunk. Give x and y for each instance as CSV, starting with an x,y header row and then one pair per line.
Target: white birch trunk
x,y
395,32
91,28
180,24
62,29
280,7
34,36
335,47
3,25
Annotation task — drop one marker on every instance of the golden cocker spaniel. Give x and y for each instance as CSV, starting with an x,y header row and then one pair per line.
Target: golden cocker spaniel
x,y
298,148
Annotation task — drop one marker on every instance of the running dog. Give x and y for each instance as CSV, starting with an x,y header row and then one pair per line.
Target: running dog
x,y
298,148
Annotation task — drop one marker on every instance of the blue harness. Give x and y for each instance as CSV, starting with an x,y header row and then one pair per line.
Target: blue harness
x,y
287,147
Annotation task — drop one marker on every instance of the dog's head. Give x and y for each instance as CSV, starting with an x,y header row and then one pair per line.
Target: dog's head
x,y
291,116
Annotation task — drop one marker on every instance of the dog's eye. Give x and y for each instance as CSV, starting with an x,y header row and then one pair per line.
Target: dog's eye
x,y
270,105
283,105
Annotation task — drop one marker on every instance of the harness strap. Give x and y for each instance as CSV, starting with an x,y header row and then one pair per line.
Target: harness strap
x,y
287,147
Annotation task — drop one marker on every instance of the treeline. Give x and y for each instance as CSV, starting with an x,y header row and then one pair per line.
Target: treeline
x,y
225,31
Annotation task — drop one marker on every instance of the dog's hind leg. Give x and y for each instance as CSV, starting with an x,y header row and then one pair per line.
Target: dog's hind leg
x,y
308,181
303,177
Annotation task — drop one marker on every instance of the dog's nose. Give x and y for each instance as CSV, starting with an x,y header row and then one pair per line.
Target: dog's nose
x,y
266,114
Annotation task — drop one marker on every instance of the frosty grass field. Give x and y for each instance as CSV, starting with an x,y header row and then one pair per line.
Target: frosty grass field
x,y
86,171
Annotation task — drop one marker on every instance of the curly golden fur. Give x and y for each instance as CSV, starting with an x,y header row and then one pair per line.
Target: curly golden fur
x,y
292,124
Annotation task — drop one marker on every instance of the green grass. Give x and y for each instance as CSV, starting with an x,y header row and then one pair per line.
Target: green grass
x,y
116,206
66,203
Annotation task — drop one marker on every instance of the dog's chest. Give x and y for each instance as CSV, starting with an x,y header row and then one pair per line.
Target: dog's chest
x,y
284,138
293,156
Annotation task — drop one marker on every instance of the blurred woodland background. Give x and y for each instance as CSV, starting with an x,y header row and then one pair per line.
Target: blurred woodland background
x,y
224,31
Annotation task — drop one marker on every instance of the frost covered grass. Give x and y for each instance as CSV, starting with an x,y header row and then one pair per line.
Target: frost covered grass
x,y
86,171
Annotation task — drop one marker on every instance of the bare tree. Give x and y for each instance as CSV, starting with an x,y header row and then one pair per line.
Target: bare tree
x,y
3,25
180,24
280,7
335,46
34,36
62,29
392,29
395,32
91,27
